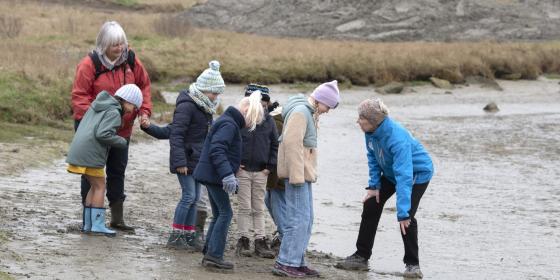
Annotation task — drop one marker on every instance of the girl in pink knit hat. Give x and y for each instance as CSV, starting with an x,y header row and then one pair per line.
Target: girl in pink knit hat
x,y
297,165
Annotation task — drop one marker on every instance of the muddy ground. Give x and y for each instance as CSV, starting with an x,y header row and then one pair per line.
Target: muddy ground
x,y
491,211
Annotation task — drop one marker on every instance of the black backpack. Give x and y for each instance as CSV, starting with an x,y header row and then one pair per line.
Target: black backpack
x,y
97,63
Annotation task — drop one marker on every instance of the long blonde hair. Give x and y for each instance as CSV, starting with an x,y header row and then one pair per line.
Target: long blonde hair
x,y
252,109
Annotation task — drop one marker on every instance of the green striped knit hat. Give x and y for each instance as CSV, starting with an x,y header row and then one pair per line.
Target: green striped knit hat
x,y
211,80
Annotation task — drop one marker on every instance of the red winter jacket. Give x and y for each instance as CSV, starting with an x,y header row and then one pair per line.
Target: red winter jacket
x,y
86,88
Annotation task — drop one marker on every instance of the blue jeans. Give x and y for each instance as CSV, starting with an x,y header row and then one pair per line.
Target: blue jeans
x,y
275,201
185,212
222,213
299,220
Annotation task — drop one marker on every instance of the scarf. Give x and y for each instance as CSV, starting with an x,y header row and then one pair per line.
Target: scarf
x,y
112,64
202,100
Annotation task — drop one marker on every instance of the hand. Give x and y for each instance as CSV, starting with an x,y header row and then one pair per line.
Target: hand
x,y
404,225
371,193
230,184
145,123
182,170
266,172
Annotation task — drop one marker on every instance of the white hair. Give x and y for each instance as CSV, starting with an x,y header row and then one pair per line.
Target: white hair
x,y
111,33
255,111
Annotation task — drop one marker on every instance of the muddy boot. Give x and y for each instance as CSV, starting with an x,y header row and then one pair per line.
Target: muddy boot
x,y
200,221
98,222
275,245
412,271
117,220
217,264
262,250
176,240
192,242
86,220
243,248
353,262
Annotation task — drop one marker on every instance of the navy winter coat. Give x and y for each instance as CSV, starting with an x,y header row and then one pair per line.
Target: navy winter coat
x,y
221,154
186,133
260,147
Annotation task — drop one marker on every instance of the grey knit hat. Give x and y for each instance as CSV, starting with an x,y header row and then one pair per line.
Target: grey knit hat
x,y
373,110
211,79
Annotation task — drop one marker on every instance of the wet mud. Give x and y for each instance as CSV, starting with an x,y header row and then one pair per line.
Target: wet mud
x,y
490,212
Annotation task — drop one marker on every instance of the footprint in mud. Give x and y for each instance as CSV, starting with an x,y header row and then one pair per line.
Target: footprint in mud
x,y
449,217
327,203
390,209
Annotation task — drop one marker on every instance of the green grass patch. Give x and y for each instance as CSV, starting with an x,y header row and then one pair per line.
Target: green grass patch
x,y
6,276
126,3
555,76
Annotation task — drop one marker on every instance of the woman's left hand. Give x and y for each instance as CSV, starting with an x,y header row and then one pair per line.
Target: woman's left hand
x,y
404,225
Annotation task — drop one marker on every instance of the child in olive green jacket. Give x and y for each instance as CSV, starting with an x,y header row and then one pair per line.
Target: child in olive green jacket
x,y
89,149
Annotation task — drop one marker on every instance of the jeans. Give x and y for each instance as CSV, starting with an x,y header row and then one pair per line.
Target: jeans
x,y
115,169
275,201
185,212
252,187
222,213
299,220
372,213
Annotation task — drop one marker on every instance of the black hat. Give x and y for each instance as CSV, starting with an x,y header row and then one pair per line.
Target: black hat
x,y
250,88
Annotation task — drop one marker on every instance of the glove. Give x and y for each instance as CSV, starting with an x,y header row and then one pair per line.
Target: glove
x,y
230,184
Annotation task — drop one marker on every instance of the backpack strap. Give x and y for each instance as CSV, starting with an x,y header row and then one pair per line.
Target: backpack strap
x,y
97,63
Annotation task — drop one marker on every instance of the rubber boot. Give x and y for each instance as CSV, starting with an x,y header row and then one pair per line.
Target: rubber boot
x,y
86,220
98,222
192,241
200,222
117,220
176,240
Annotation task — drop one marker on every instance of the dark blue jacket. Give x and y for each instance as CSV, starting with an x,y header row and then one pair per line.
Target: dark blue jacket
x,y
260,147
221,155
186,133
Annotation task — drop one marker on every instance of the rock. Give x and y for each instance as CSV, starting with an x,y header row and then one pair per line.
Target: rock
x,y
15,150
511,77
393,87
484,82
491,107
448,92
439,83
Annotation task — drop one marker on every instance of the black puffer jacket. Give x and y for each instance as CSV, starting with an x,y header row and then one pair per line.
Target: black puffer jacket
x,y
188,131
260,147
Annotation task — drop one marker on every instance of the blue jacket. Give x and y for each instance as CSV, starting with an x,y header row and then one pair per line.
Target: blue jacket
x,y
396,155
260,147
221,154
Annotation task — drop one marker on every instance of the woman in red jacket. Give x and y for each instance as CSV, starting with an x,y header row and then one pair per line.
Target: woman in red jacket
x,y
108,67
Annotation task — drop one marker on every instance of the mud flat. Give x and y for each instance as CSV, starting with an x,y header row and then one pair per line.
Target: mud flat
x,y
491,211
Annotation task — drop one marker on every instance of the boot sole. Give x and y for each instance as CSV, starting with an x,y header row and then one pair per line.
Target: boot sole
x,y
94,233
265,256
210,266
121,228
282,273
354,267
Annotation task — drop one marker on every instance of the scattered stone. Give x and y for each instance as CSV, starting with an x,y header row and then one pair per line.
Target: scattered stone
x,y
484,82
440,83
511,77
393,87
15,150
491,107
448,92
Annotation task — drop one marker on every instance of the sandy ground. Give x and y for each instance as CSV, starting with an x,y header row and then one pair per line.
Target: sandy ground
x,y
491,211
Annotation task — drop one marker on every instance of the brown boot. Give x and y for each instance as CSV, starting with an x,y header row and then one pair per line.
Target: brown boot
x,y
200,222
117,220
262,250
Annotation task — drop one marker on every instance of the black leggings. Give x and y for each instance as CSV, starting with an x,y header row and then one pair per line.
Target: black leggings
x,y
372,213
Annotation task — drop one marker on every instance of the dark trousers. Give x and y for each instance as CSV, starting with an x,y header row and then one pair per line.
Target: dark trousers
x,y
372,213
115,169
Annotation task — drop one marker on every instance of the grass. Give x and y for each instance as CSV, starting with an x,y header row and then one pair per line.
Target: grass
x,y
6,276
38,66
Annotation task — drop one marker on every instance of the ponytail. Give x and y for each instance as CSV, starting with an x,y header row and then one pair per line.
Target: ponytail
x,y
254,112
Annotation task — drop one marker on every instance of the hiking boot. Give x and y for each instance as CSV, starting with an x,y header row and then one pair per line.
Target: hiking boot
x,y
309,272
216,263
262,250
353,262
275,244
192,242
243,248
412,271
176,240
117,220
287,271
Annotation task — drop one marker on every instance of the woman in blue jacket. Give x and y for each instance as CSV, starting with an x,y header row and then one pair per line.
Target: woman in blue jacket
x,y
397,163
219,162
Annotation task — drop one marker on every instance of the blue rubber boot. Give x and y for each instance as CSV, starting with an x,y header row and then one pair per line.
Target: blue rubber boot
x,y
98,222
86,220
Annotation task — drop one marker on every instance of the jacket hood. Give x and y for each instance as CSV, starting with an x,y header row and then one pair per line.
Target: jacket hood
x,y
105,101
294,102
236,116
184,97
